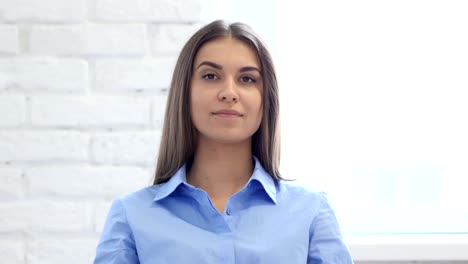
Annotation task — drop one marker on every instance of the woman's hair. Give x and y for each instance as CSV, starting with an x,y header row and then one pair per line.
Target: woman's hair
x,y
179,136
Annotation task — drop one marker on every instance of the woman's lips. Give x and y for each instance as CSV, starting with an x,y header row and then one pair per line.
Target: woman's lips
x,y
227,113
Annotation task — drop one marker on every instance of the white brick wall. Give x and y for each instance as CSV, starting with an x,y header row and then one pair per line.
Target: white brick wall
x,y
90,110
59,250
9,39
43,74
43,11
45,215
140,147
12,250
169,38
43,145
13,184
12,108
74,181
89,39
134,75
83,88
149,10
159,106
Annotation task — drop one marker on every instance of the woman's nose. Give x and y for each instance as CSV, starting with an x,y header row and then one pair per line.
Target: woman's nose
x,y
229,92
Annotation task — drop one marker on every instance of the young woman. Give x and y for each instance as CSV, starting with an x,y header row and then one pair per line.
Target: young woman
x,y
218,196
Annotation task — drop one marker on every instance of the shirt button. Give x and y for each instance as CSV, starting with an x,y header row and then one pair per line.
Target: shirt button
x,y
228,211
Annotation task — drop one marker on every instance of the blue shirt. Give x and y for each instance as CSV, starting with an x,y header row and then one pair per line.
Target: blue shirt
x,y
268,221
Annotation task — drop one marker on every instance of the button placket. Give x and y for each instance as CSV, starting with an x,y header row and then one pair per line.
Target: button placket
x,y
229,215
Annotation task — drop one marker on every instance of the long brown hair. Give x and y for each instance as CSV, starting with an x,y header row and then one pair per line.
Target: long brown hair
x,y
179,136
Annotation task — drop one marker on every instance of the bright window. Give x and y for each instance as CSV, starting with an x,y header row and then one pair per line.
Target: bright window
x,y
374,107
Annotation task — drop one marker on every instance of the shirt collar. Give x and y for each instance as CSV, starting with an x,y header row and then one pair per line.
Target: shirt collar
x,y
259,174
265,179
165,189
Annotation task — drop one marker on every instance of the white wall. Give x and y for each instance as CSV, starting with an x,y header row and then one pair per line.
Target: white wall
x,y
82,91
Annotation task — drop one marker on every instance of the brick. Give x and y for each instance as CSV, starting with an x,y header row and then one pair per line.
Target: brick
x,y
43,146
12,251
11,184
9,39
126,147
43,74
101,210
92,39
44,10
119,74
63,250
84,111
12,110
169,39
45,216
85,181
159,110
149,10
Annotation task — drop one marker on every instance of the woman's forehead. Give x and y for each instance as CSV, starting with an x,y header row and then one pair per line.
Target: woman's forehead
x,y
227,50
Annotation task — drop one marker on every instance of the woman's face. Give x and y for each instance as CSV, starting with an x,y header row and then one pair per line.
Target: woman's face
x,y
226,91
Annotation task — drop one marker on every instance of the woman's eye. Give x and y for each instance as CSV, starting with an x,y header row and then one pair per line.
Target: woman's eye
x,y
248,79
210,76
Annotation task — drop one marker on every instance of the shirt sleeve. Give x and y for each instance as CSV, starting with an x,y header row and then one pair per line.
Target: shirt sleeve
x,y
326,245
116,245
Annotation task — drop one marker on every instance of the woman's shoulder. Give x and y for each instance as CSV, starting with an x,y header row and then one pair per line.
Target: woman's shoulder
x,y
145,194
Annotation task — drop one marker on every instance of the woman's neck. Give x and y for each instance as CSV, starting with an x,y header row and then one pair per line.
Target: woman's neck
x,y
221,169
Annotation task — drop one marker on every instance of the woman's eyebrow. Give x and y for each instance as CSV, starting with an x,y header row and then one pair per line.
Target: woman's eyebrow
x,y
219,67
249,68
211,64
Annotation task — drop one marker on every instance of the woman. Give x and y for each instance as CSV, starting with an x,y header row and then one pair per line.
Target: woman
x,y
218,196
